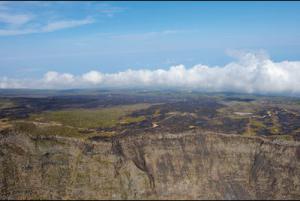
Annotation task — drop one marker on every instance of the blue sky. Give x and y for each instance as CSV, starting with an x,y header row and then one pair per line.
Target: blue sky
x,y
77,37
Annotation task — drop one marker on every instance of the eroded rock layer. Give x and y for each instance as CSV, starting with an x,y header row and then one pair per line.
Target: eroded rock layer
x,y
189,165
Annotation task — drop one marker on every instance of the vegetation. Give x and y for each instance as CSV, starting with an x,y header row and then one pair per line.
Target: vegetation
x,y
128,119
79,122
4,103
284,137
253,127
4,123
34,130
83,113
91,118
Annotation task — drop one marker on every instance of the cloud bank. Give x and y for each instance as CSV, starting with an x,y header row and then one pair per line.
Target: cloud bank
x,y
249,73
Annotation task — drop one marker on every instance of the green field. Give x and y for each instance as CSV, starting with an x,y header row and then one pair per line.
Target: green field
x,y
71,122
91,118
34,130
4,103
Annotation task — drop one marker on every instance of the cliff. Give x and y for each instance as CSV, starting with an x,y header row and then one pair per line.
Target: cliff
x,y
189,165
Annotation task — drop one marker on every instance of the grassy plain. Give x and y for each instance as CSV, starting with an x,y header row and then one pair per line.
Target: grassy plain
x,y
71,122
4,103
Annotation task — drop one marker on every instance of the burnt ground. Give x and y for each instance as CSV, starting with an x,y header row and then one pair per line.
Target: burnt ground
x,y
174,111
26,105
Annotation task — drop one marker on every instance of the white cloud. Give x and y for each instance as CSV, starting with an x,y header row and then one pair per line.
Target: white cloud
x,y
50,27
15,20
53,26
250,73
93,77
35,17
12,23
55,77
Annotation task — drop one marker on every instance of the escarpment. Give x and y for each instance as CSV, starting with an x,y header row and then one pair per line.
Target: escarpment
x,y
187,165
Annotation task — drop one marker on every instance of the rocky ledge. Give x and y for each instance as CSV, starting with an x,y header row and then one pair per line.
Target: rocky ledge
x,y
188,165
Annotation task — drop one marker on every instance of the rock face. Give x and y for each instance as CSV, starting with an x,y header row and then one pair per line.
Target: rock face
x,y
191,165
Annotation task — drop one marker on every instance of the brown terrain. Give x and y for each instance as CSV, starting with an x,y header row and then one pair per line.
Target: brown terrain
x,y
148,145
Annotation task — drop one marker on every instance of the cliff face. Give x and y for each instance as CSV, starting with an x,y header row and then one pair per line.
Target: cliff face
x,y
192,165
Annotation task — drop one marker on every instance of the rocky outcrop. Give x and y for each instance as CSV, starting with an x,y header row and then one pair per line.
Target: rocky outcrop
x,y
191,165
